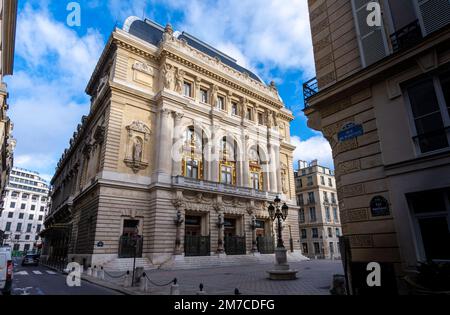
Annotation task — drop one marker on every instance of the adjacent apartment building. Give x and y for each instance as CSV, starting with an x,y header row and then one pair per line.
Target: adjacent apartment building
x,y
319,219
26,204
180,156
382,99
8,16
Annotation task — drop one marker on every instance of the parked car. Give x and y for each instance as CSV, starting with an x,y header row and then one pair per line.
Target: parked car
x,y
31,259
6,270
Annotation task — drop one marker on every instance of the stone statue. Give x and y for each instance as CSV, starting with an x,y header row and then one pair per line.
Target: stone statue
x,y
214,92
137,150
179,81
167,76
244,107
270,121
284,179
168,33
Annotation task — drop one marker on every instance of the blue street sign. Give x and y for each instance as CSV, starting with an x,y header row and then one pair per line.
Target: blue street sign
x,y
350,131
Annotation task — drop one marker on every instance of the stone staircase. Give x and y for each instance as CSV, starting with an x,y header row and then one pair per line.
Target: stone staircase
x,y
125,264
216,261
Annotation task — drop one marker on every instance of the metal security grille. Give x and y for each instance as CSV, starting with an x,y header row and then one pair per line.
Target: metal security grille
x,y
197,246
435,14
129,245
266,245
235,245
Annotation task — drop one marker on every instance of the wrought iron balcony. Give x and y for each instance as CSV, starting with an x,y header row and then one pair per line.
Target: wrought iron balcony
x,y
406,37
310,89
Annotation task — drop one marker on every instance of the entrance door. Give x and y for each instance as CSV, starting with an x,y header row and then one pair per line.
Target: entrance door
x,y
234,245
130,243
194,243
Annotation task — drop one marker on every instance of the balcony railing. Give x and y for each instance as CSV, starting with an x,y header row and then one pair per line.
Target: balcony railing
x,y
221,188
406,37
310,89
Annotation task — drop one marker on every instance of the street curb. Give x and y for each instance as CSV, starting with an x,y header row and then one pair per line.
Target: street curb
x,y
98,282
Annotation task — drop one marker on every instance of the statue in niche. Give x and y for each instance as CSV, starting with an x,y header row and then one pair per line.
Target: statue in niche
x,y
284,179
179,81
244,107
167,76
214,93
137,150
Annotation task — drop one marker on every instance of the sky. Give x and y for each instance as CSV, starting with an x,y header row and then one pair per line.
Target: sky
x,y
54,62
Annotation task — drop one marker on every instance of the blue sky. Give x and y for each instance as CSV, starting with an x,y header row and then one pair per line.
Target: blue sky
x,y
54,62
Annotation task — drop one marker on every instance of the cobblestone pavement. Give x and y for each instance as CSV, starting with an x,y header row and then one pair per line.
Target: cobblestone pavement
x,y
315,278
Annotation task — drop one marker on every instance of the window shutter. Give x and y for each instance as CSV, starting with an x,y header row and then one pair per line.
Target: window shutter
x,y
433,14
371,39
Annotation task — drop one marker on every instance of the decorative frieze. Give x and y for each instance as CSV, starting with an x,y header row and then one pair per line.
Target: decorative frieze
x,y
361,241
354,215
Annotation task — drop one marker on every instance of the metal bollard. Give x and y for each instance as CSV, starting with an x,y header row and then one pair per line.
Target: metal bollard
x,y
101,273
143,283
127,280
175,288
89,271
201,292
236,292
95,272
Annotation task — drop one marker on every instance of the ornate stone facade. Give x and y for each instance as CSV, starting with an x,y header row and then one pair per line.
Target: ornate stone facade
x,y
180,125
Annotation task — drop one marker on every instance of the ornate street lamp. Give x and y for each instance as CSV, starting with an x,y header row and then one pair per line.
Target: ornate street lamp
x,y
279,213
282,271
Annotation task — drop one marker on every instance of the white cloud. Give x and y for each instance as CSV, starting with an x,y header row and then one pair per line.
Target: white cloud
x,y
315,148
47,91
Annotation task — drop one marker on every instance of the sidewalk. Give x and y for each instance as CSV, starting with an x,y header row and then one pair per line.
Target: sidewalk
x,y
315,278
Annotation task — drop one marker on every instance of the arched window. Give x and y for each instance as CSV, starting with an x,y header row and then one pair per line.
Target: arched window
x,y
255,170
228,161
192,162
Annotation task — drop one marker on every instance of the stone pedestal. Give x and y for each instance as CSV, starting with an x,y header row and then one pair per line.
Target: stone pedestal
x,y
282,270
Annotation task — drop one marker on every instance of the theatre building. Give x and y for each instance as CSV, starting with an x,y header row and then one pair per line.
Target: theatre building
x,y
382,99
180,155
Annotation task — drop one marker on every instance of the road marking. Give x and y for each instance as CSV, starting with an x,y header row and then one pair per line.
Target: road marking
x,y
51,272
36,272
21,273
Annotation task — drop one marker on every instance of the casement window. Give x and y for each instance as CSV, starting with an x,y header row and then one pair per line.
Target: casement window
x,y
301,201
311,197
21,216
330,182
328,214
372,40
8,227
330,233
428,100
221,103
234,109
31,217
10,215
187,89
310,181
203,96
336,215
255,180
338,232
12,205
29,226
260,119
38,228
249,114
322,180
301,216
315,233
226,174
23,206
19,227
304,234
192,169
312,214
333,198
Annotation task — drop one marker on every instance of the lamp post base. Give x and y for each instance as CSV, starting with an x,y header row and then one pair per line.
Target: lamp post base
x,y
282,271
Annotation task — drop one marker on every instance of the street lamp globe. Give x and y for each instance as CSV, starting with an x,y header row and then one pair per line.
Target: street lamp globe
x,y
272,212
285,210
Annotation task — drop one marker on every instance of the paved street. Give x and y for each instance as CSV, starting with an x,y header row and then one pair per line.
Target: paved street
x,y
43,281
315,278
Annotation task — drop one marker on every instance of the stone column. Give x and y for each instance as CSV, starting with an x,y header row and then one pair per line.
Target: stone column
x,y
254,241
177,143
272,170
214,163
165,142
245,163
220,245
